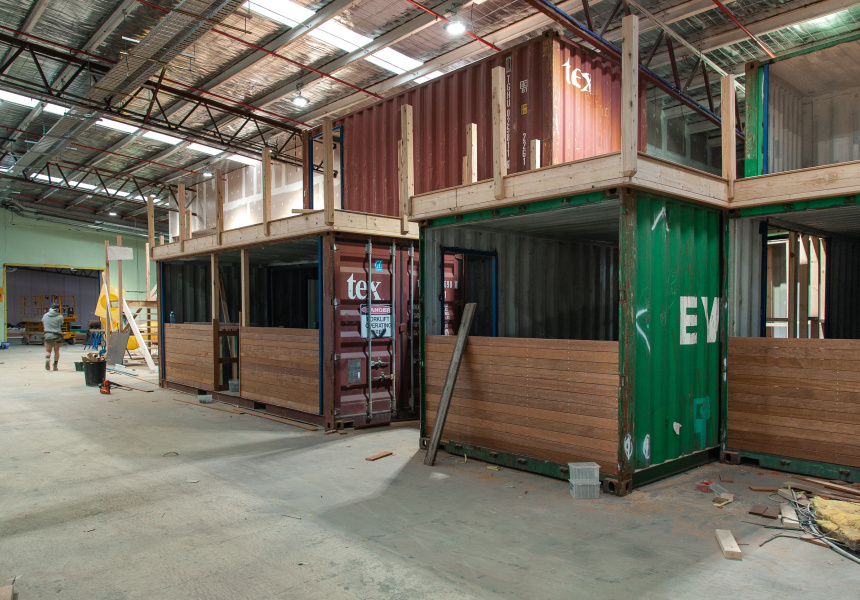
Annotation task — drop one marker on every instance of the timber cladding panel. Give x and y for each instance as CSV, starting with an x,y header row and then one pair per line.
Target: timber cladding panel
x,y
553,400
280,366
188,355
798,398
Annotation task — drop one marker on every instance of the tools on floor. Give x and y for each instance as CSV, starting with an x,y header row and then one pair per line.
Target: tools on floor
x,y
107,385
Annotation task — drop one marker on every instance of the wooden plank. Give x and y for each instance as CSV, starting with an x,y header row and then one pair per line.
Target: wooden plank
x,y
792,284
728,545
120,316
328,171
378,456
150,222
803,184
245,288
219,209
7,592
267,191
470,174
727,118
629,94
407,171
500,145
803,286
183,214
451,380
534,155
106,282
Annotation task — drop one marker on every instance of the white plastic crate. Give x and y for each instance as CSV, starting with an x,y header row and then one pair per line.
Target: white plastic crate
x,y
588,472
584,491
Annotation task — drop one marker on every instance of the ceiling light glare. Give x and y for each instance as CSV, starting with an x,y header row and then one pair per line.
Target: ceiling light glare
x,y
455,27
300,101
160,137
204,149
116,125
112,213
207,174
54,109
18,99
244,160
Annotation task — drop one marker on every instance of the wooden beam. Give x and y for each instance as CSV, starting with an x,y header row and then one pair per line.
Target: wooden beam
x,y
814,289
407,170
119,284
804,184
214,280
267,190
148,274
106,275
450,382
150,221
534,156
822,283
183,225
328,172
629,94
8,592
728,545
219,200
792,284
245,287
803,287
727,114
500,144
470,174
188,215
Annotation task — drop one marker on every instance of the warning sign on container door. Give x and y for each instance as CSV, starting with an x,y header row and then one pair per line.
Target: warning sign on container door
x,y
380,321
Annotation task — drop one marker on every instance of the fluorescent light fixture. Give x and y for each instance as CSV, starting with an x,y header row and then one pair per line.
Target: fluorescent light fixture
x,y
204,149
244,160
339,36
112,213
393,60
455,27
116,192
160,137
54,109
5,169
18,99
282,11
429,77
128,39
111,124
83,186
207,174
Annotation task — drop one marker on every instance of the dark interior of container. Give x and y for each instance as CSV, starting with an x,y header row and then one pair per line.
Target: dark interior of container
x,y
186,290
284,284
760,273
551,275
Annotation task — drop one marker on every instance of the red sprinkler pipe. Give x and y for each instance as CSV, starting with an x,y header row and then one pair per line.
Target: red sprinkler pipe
x,y
469,33
745,30
275,54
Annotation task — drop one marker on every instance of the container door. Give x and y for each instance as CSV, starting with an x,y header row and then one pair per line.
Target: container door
x,y
671,252
365,318
407,329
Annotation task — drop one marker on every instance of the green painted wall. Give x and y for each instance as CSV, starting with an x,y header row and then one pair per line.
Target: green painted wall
x,y
26,241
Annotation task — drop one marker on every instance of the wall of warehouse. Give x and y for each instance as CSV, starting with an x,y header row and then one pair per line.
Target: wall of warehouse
x,y
25,241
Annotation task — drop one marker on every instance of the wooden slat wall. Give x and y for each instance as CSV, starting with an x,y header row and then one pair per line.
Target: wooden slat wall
x,y
554,400
188,355
280,366
798,398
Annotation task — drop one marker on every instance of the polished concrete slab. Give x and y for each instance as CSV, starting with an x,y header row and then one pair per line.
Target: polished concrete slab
x,y
95,505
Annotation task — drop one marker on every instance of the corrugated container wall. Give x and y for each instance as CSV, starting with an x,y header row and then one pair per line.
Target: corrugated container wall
x,y
670,343
574,110
745,269
785,127
842,313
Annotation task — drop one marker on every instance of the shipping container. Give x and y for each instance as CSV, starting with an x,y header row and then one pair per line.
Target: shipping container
x,y
558,92
793,393
803,109
600,340
330,336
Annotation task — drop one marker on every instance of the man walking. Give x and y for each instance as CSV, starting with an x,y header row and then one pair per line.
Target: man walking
x,y
52,323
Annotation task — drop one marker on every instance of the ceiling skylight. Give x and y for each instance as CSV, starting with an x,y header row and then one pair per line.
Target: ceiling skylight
x,y
54,109
110,124
337,35
282,11
18,99
244,160
429,77
204,149
393,60
160,137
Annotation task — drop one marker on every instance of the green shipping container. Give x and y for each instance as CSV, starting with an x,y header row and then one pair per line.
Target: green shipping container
x,y
670,346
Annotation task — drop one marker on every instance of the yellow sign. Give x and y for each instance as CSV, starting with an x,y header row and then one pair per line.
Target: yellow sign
x,y
524,109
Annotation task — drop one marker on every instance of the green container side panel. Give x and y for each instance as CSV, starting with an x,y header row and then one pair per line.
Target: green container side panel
x,y
671,329
753,154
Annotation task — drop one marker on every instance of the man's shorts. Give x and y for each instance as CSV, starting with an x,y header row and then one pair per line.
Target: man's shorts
x,y
54,343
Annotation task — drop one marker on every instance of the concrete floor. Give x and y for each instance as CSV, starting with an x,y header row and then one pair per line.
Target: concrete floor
x,y
91,508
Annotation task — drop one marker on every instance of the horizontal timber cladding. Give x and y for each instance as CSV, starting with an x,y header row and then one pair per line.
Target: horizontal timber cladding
x,y
189,355
280,367
559,93
553,400
797,398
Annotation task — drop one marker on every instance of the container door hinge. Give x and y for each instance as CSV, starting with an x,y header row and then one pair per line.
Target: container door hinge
x,y
623,381
334,302
334,247
411,252
335,356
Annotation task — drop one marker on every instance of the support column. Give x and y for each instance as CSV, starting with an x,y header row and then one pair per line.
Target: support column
x,y
470,174
328,172
629,94
267,190
245,275
500,144
407,166
219,198
119,284
727,115
183,224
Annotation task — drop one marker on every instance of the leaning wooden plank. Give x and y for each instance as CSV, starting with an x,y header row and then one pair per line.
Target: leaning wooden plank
x,y
728,544
378,456
451,379
829,484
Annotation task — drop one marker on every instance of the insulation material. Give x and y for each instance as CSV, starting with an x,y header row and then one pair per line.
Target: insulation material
x,y
839,519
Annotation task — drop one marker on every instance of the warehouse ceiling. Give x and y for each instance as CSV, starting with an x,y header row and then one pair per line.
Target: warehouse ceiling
x,y
106,102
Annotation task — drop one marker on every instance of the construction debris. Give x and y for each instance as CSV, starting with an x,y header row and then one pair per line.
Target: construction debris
x,y
378,456
728,544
